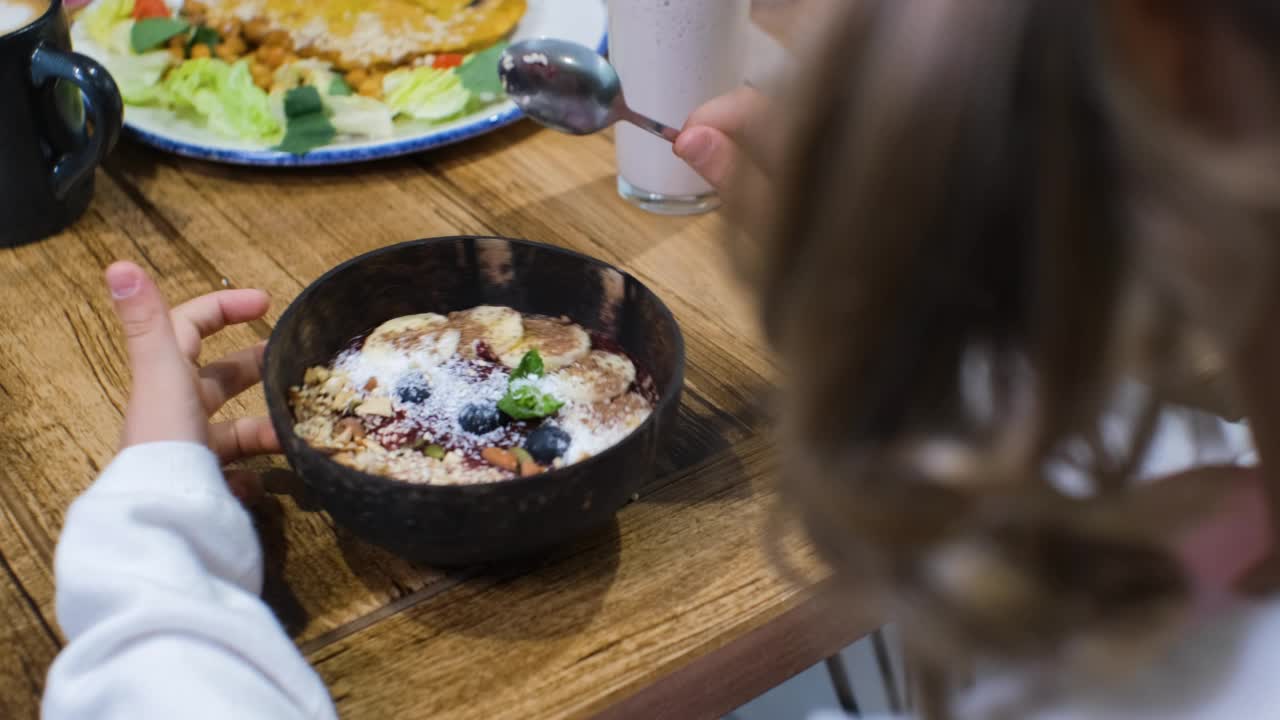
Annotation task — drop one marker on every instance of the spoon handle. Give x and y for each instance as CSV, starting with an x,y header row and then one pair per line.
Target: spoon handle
x,y
666,132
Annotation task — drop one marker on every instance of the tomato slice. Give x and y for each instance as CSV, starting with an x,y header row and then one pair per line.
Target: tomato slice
x,y
445,61
143,9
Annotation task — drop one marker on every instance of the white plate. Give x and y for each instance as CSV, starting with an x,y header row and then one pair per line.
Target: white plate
x,y
582,21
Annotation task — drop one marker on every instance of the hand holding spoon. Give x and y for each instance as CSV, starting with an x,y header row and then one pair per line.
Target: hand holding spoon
x,y
570,88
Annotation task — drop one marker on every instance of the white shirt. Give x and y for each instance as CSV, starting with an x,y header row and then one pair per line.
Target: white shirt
x,y
158,572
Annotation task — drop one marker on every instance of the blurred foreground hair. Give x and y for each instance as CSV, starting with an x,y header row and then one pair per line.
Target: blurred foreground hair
x,y
987,221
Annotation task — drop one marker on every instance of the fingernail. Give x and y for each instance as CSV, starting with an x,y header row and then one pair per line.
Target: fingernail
x,y
123,280
694,146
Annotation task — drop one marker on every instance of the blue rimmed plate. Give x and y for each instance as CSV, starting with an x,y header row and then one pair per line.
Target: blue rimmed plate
x,y
582,21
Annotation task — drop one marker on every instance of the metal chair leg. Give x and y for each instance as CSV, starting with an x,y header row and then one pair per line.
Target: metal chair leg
x,y
840,683
885,662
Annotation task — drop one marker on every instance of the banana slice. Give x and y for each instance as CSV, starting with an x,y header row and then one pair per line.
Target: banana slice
x,y
498,327
598,377
427,338
561,343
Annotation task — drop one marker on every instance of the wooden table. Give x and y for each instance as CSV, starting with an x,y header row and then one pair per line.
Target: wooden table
x,y
674,611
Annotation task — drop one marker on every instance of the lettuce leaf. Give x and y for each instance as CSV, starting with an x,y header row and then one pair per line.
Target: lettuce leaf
x,y
109,24
360,116
425,93
138,76
307,71
224,96
245,111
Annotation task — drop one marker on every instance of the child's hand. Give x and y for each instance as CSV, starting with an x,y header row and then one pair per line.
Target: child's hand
x,y
733,144
726,136
173,396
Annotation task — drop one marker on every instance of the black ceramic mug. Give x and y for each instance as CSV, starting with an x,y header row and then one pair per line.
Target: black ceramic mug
x,y
60,114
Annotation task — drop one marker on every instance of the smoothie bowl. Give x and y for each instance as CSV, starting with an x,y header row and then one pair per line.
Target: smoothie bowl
x,y
473,399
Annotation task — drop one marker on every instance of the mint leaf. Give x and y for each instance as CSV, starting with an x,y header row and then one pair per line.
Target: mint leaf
x,y
204,36
524,400
340,86
302,101
304,133
479,73
530,366
151,33
527,402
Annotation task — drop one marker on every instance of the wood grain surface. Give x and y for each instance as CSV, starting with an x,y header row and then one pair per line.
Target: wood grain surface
x,y
675,596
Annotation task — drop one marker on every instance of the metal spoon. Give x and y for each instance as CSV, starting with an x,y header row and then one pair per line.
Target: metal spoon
x,y
570,88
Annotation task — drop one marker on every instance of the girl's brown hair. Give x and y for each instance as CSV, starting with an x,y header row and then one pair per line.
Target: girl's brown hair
x,y
987,219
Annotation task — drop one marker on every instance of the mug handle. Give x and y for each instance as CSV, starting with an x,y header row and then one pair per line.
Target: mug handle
x,y
102,101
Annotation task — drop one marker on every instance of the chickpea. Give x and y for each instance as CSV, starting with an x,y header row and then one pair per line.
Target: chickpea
x,y
278,38
272,57
259,71
179,53
199,51
229,28
236,45
195,7
256,30
339,63
371,87
177,41
225,53
261,76
356,77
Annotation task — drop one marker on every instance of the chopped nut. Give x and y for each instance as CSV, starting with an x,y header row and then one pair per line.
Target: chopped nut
x,y
348,429
528,466
500,458
376,406
371,385
344,400
200,51
316,375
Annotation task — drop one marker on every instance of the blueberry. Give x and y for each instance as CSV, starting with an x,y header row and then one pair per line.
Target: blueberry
x,y
547,443
480,419
413,389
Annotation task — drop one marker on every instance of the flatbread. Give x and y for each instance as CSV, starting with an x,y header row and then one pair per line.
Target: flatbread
x,y
369,33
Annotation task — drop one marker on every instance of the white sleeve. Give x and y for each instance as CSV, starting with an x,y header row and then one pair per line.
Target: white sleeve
x,y
158,571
